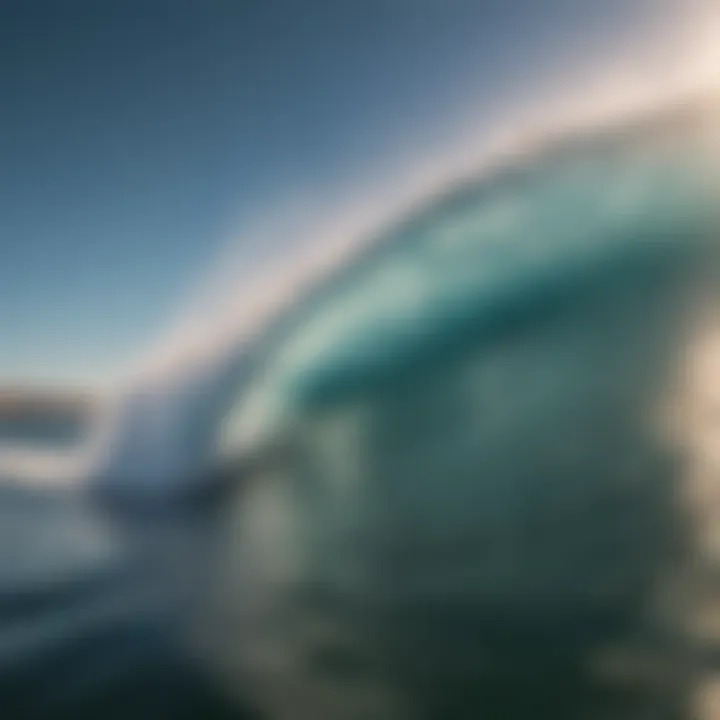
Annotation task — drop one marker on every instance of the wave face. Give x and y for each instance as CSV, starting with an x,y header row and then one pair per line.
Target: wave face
x,y
458,494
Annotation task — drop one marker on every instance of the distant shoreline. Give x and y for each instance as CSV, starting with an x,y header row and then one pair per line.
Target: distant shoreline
x,y
14,400
44,417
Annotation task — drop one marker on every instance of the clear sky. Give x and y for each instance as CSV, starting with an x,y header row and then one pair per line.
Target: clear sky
x,y
136,137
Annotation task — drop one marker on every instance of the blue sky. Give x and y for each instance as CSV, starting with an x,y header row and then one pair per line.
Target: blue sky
x,y
136,136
